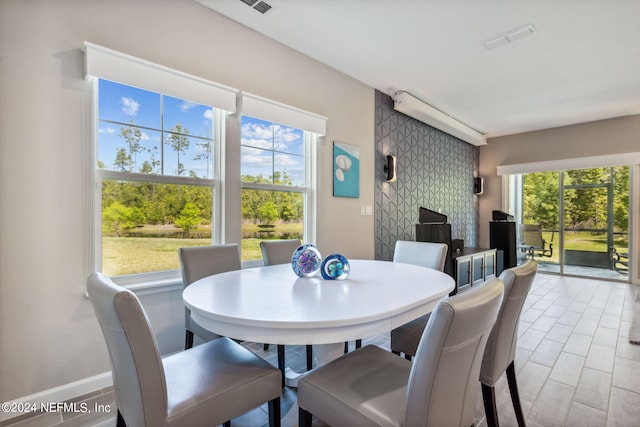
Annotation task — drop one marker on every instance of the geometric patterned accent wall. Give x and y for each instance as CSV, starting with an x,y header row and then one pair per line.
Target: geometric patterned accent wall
x,y
435,170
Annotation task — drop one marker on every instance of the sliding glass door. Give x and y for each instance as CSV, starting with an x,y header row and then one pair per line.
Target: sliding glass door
x,y
576,222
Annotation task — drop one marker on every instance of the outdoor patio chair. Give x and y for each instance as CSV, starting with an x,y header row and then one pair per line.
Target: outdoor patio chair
x,y
620,261
532,242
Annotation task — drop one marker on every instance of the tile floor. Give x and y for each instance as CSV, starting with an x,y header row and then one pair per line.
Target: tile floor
x,y
574,363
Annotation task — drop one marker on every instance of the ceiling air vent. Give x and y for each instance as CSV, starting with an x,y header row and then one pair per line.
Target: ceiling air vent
x,y
260,6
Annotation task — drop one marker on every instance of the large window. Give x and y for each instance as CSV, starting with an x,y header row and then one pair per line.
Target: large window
x,y
160,145
275,174
157,173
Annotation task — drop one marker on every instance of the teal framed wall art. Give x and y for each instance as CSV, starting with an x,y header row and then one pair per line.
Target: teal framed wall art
x,y
346,170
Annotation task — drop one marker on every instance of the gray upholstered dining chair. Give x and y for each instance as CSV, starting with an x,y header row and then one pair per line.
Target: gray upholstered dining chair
x,y
426,254
201,261
373,387
501,346
280,252
206,385
405,338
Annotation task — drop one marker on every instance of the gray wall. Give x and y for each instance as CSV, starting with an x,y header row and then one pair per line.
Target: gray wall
x,y
435,171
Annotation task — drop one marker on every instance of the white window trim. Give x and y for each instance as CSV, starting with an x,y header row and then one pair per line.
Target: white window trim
x,y
266,109
634,241
311,170
219,128
119,67
623,159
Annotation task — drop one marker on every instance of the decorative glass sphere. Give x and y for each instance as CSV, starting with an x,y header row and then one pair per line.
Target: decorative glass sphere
x,y
306,260
335,267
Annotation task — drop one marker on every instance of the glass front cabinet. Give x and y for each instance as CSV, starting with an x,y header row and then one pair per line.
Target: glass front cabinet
x,y
472,266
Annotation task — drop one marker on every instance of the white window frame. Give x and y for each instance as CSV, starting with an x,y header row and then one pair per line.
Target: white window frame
x,y
111,65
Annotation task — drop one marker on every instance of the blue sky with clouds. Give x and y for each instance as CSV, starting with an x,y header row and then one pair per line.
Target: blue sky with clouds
x,y
269,147
266,147
125,104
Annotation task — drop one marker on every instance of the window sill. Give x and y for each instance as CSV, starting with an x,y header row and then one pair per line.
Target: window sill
x,y
145,284
155,287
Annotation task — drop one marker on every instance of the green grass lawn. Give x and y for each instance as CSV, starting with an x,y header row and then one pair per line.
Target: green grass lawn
x,y
130,255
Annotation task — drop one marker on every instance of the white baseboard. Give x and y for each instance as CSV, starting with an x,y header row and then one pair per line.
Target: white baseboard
x,y
61,393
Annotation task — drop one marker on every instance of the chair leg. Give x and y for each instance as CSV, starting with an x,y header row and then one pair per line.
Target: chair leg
x,y
120,421
265,347
227,423
304,418
274,412
309,357
490,410
515,396
281,362
358,344
346,347
408,357
188,342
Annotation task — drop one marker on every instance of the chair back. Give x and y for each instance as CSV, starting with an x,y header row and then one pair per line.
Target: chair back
x,y
531,235
138,375
278,251
443,383
197,262
202,261
501,346
426,254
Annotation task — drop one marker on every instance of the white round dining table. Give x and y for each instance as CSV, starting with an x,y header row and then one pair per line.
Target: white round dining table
x,y
272,305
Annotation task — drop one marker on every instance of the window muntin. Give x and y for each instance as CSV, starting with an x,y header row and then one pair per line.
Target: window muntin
x,y
156,170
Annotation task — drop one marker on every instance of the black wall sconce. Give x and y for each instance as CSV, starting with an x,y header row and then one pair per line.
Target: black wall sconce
x,y
390,169
478,186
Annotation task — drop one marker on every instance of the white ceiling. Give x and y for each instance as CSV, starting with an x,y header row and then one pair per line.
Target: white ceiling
x,y
583,64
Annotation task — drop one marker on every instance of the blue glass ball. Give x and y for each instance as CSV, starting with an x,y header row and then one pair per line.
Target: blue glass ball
x,y
335,267
306,260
